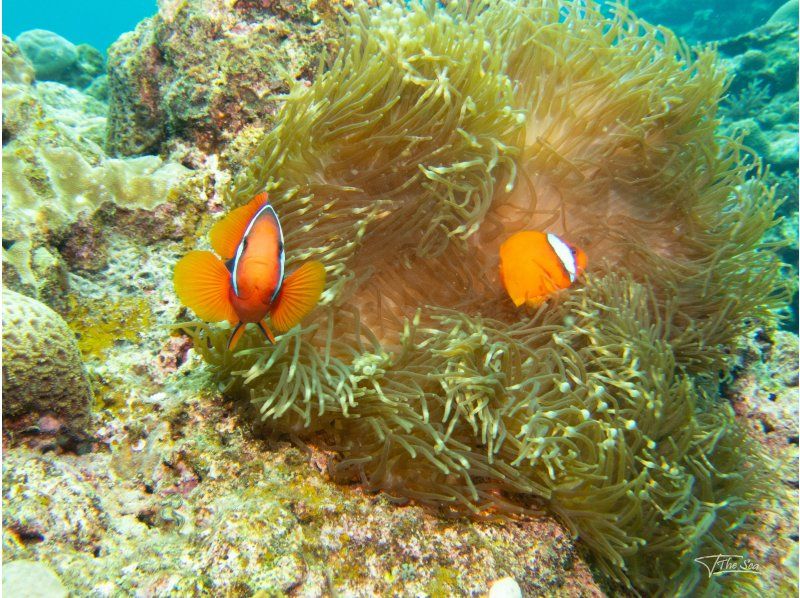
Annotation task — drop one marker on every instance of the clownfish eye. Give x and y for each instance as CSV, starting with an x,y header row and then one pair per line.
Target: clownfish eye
x,y
573,250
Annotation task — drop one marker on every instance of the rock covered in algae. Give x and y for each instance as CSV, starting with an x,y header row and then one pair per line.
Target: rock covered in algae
x,y
434,134
42,368
254,518
764,394
55,173
16,67
201,72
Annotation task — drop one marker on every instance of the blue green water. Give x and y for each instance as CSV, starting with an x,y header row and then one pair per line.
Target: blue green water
x,y
101,23
91,22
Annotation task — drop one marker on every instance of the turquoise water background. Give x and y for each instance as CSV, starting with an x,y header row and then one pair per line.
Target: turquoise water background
x,y
91,22
101,23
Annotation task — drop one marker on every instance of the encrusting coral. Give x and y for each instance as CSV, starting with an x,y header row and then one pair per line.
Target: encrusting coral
x,y
435,134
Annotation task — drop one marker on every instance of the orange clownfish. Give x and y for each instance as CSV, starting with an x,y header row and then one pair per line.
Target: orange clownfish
x,y
250,282
534,265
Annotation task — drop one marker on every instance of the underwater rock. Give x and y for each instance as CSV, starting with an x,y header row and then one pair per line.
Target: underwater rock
x,y
83,114
766,55
85,246
31,579
764,394
47,500
202,72
763,93
98,89
49,53
57,59
19,107
42,368
783,152
55,172
753,137
90,65
260,518
38,272
706,20
787,13
16,67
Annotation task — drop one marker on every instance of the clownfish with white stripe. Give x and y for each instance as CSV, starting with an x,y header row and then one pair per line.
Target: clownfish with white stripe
x,y
246,282
534,265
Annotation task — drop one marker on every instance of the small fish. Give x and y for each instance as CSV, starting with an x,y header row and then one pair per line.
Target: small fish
x,y
534,265
250,283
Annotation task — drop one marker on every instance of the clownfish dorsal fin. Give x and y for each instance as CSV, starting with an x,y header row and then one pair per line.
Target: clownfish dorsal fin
x,y
202,282
298,295
226,234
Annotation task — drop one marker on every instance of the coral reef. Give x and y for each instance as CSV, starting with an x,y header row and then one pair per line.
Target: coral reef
x,y
16,68
709,20
763,67
49,53
433,135
172,489
42,368
55,173
201,72
762,106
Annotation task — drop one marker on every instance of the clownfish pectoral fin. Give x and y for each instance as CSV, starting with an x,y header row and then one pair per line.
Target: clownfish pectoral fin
x,y
267,332
236,334
201,283
298,295
226,234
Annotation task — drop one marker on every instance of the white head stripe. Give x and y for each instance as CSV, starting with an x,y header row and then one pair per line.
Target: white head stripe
x,y
564,254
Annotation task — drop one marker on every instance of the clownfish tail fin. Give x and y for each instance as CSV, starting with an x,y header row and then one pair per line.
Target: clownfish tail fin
x,y
298,295
201,282
267,332
236,334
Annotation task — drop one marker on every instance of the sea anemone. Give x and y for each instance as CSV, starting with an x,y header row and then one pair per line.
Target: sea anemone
x,y
434,134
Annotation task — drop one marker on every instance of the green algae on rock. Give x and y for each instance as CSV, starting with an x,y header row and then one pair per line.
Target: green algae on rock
x,y
434,134
201,72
